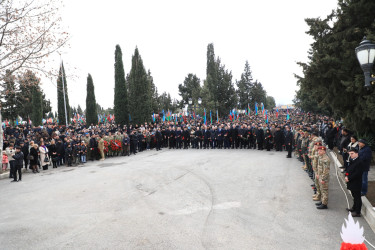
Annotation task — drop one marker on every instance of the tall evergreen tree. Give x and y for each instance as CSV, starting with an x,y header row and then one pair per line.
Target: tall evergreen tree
x,y
91,113
60,97
332,79
212,75
121,101
37,104
155,108
9,95
191,88
244,88
139,91
80,111
226,97
258,94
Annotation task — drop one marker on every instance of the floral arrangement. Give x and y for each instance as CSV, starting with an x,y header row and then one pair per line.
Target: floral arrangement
x,y
106,149
115,146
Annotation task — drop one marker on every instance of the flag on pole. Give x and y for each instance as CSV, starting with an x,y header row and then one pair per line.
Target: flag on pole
x,y
256,108
277,113
211,117
230,115
267,116
217,116
263,108
248,109
287,113
205,120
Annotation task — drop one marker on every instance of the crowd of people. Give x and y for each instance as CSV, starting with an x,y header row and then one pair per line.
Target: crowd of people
x,y
37,148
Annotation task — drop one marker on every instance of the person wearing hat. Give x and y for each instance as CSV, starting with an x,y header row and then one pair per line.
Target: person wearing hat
x,y
323,177
365,155
353,178
18,163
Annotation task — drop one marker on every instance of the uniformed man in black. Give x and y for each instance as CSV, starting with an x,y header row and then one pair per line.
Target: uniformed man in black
x,y
289,141
199,138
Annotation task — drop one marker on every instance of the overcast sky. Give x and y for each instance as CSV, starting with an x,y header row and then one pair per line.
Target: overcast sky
x,y
172,38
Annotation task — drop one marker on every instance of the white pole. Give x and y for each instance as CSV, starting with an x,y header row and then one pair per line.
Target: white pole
x,y
62,78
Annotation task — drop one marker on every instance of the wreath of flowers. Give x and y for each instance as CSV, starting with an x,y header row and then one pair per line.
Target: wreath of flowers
x,y
106,147
115,146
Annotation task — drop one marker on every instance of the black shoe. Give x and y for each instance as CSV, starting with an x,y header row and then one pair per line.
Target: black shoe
x,y
14,181
354,214
363,194
349,209
288,157
318,203
322,207
313,185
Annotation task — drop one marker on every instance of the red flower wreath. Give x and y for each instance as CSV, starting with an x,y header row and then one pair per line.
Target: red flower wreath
x,y
105,147
115,146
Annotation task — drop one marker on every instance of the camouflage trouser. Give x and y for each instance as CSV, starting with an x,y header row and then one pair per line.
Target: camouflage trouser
x,y
317,186
324,192
316,181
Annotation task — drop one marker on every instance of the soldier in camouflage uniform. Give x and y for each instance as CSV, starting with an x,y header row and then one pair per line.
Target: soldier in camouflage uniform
x,y
313,155
323,177
304,141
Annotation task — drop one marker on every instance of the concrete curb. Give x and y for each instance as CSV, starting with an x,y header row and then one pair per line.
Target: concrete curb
x,y
367,211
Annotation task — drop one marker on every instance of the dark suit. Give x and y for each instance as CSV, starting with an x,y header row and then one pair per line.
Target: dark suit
x,y
289,142
354,173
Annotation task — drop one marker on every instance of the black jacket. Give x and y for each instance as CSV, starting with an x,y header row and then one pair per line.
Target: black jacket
x,y
19,158
354,173
289,138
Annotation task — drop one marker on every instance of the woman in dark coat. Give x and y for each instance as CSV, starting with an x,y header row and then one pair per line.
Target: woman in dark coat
x,y
34,160
269,139
52,152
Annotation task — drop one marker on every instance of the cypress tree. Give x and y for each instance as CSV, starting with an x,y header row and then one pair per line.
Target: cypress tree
x,y
91,113
121,102
139,91
37,104
60,97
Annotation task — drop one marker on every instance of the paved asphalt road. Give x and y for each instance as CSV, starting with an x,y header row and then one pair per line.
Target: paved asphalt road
x,y
185,199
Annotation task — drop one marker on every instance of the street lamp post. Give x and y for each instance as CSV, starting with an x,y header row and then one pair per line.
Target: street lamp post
x,y
366,54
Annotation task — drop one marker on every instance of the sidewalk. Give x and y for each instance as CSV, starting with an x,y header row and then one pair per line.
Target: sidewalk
x,y
368,211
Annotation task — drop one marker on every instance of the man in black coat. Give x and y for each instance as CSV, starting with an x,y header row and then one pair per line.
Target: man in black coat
x,y
260,137
279,139
25,151
353,179
93,145
289,141
18,157
159,139
365,154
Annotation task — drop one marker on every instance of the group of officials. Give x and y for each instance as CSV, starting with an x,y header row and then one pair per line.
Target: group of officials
x,y
305,134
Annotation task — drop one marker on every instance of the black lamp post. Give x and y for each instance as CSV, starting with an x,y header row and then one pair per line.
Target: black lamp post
x,y
366,55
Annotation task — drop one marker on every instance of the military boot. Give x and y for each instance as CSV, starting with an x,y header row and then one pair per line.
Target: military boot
x,y
316,198
322,207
